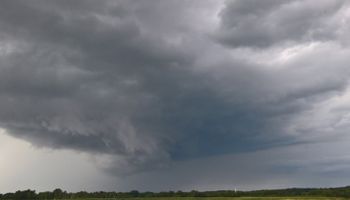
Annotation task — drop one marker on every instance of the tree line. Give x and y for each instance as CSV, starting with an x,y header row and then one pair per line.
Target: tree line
x,y
60,194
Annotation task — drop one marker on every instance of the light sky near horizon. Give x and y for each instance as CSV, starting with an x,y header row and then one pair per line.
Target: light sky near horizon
x,y
24,166
174,94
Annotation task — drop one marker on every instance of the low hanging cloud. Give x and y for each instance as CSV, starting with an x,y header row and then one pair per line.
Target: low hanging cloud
x,y
143,84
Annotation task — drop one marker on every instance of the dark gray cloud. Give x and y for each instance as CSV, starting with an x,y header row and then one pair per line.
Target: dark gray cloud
x,y
255,23
91,78
145,83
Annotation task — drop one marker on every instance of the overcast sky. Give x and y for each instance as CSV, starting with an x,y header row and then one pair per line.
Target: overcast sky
x,y
174,94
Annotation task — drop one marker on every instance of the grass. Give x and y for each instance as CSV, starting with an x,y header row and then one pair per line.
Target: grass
x,y
227,198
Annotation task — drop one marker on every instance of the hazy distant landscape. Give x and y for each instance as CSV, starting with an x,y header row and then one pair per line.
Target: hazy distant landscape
x,y
278,194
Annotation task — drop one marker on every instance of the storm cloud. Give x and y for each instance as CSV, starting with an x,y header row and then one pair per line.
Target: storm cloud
x,y
265,23
143,85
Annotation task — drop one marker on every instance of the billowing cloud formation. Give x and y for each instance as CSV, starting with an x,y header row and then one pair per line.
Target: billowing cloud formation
x,y
264,23
144,83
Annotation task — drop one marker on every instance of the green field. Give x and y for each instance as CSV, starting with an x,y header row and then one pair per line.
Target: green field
x,y
226,198
239,198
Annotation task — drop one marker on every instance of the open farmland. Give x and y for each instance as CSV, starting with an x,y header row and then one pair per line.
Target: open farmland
x,y
223,198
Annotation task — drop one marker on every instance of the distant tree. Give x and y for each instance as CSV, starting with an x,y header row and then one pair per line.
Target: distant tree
x,y
195,193
57,193
24,195
179,193
45,195
134,193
